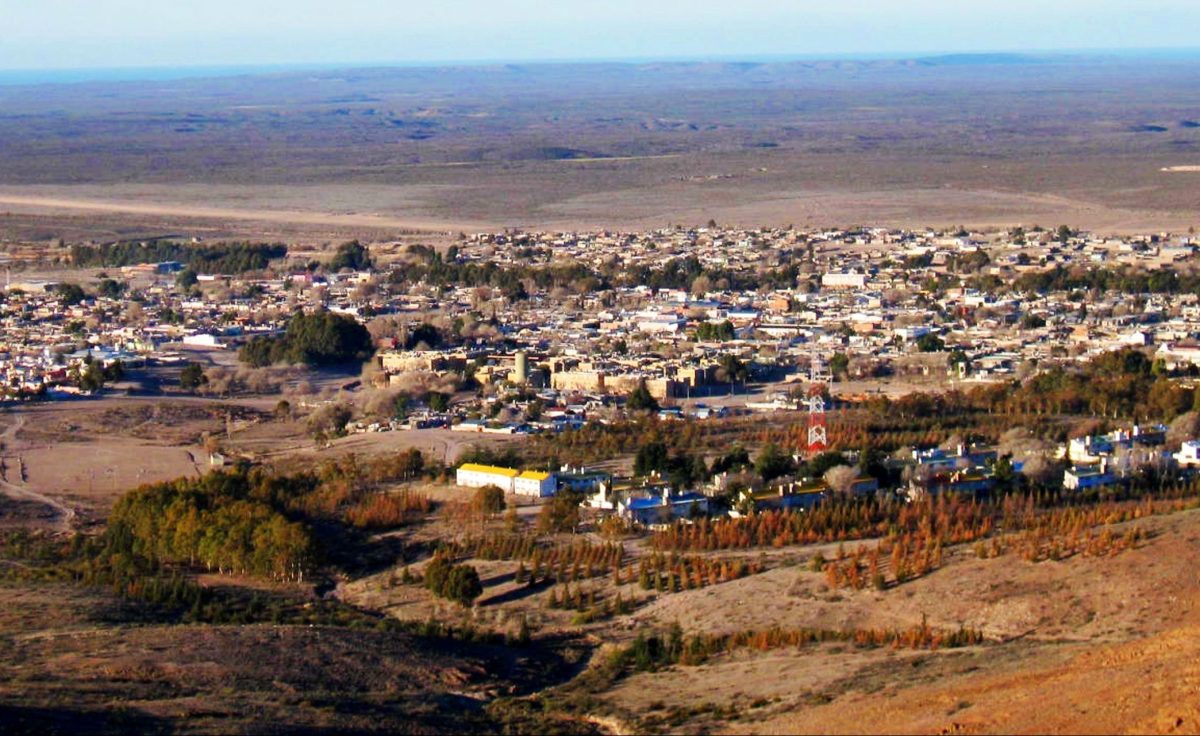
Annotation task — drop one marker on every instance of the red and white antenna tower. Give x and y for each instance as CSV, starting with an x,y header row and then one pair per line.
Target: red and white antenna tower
x,y
818,434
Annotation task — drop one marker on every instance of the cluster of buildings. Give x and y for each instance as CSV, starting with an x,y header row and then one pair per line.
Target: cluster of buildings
x,y
691,314
1081,464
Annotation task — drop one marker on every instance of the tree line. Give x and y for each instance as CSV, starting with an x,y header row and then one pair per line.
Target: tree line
x,y
317,339
224,258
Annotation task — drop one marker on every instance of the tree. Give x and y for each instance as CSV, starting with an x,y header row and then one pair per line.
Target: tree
x,y
651,457
930,343
424,334
957,358
321,338
839,365
488,500
458,583
826,460
110,288
114,371
640,399
192,377
70,294
352,255
772,463
329,420
186,279
560,513
93,377
462,585
841,478
1003,474
732,369
715,331
1032,321
735,459
438,402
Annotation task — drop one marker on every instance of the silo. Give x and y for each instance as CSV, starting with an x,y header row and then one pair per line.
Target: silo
x,y
521,368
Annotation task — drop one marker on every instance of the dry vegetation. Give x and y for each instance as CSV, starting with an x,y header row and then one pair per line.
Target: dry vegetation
x,y
906,143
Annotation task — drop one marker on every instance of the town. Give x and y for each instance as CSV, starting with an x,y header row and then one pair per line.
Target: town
x,y
524,333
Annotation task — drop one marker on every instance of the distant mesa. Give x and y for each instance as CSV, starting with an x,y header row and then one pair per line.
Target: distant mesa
x,y
979,59
1147,129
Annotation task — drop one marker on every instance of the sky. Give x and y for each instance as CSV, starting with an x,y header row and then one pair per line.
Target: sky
x,y
83,34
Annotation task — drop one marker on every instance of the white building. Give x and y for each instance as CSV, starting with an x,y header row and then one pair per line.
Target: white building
x,y
1176,354
535,483
656,323
1189,454
473,475
529,483
844,280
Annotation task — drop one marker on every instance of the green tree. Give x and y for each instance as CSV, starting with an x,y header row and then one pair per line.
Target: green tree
x,y
930,343
70,294
92,378
772,463
651,457
462,585
186,279
488,500
640,399
438,402
192,377
425,334
352,255
715,331
560,513
321,338
733,369
839,365
110,288
1031,321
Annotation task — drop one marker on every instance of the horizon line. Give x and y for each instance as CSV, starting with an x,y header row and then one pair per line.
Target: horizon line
x,y
34,76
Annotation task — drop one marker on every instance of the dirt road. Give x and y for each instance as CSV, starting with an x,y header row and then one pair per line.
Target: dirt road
x,y
65,513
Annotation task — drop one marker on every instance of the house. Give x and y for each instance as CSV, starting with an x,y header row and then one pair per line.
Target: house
x,y
786,496
1177,354
1189,454
1079,478
664,509
582,480
973,481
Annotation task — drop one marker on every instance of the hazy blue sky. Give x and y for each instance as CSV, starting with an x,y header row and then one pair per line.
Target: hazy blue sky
x,y
40,34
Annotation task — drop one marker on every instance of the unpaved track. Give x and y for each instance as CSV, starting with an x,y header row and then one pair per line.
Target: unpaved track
x,y
66,514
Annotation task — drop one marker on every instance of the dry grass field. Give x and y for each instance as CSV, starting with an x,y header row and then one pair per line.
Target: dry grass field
x,y
1096,142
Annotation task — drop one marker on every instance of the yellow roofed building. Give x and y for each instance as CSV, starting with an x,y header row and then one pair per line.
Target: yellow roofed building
x,y
474,475
535,483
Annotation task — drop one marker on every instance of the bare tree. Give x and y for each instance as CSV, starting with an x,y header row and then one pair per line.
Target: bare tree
x,y
840,478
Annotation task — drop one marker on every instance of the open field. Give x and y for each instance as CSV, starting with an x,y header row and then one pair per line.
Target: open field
x,y
1096,142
